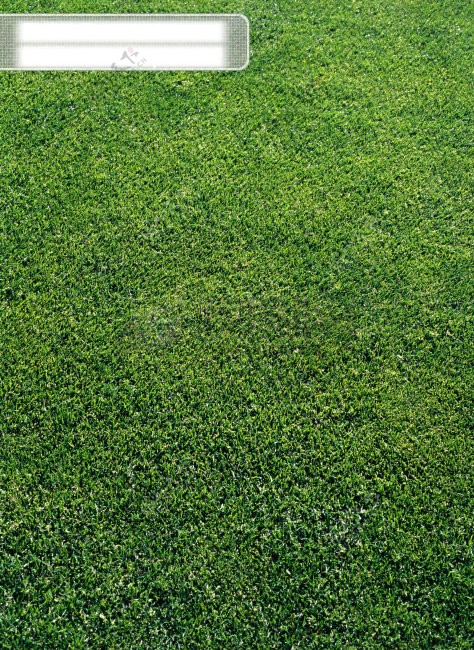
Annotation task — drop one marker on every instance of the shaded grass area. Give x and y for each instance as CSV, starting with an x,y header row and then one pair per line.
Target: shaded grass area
x,y
236,340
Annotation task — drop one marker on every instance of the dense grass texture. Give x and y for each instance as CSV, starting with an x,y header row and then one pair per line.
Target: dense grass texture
x,y
236,339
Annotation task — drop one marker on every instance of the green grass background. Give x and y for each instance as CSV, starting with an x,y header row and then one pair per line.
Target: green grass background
x,y
236,339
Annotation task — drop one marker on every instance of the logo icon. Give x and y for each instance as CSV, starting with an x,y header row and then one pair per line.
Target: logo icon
x,y
130,58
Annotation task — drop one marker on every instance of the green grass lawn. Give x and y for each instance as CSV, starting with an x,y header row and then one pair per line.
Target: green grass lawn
x,y
236,339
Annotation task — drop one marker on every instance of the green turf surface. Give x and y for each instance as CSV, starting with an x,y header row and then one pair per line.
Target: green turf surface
x,y
236,339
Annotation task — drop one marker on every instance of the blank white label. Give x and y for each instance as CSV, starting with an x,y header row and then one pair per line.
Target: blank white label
x,y
98,57
123,42
102,31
